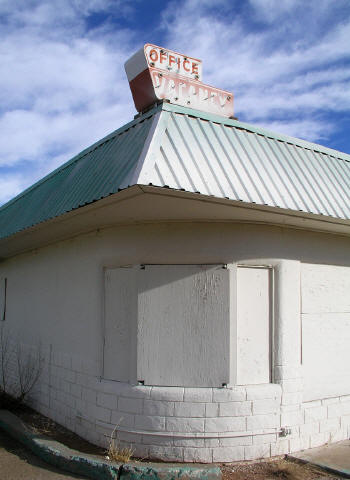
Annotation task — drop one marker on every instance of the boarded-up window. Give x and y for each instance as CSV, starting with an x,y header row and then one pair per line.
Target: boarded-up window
x,y
119,323
183,336
167,325
253,325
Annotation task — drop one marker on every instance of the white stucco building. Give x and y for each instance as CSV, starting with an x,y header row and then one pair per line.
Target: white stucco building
x,y
189,278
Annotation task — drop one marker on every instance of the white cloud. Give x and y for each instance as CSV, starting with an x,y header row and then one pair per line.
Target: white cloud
x,y
294,65
63,86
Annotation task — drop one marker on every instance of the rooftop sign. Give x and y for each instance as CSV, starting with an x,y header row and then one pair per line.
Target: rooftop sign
x,y
156,73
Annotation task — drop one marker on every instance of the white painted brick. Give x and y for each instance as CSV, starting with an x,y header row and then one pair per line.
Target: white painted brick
x,y
319,439
286,372
229,394
62,359
254,452
290,408
122,419
75,390
299,443
291,398
159,440
89,395
130,405
212,409
204,455
345,398
170,394
334,410
235,441
103,429
339,435
106,401
228,454
190,442
225,424
269,390
261,407
189,409
345,408
235,409
310,428
345,421
211,442
330,401
170,454
294,385
149,423
265,438
69,375
316,413
330,425
198,395
289,419
130,438
135,391
312,404
98,413
260,422
141,451
154,407
184,425
83,379
64,386
280,448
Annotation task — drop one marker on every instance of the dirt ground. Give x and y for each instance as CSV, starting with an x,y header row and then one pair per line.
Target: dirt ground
x,y
18,463
273,470
277,468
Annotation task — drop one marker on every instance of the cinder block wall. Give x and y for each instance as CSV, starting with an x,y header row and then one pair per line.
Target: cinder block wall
x,y
55,295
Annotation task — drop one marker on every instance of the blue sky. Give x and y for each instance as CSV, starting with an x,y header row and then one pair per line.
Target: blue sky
x,y
63,86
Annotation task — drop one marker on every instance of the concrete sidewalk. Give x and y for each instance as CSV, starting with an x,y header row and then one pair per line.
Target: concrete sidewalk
x,y
334,458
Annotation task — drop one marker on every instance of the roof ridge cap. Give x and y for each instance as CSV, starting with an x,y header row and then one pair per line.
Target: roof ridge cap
x,y
258,130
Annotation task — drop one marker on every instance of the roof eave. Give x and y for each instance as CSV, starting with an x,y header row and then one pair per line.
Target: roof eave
x,y
151,204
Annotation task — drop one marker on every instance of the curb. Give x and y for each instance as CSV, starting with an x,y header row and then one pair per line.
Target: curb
x,y
65,458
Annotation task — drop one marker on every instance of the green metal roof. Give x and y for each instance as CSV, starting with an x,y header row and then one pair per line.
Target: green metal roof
x,y
95,173
197,152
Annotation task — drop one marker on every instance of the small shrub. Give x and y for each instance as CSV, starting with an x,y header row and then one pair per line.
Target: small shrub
x,y
19,370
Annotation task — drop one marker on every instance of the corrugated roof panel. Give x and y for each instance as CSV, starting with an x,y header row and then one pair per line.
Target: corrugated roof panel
x,y
195,152
236,161
95,173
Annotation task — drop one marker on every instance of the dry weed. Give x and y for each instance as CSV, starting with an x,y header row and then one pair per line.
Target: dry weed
x,y
117,453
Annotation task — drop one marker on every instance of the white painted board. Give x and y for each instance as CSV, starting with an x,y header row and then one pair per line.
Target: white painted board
x,y
120,317
183,329
253,325
326,355
325,323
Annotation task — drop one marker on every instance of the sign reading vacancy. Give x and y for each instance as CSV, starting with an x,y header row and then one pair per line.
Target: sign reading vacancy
x,y
156,73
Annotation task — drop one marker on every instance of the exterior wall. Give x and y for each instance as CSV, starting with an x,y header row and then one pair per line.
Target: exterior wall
x,y
55,295
325,313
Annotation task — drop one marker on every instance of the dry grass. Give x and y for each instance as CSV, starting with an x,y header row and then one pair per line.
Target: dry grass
x,y
117,453
276,469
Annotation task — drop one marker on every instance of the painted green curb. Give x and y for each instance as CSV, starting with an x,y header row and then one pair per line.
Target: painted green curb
x,y
93,467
